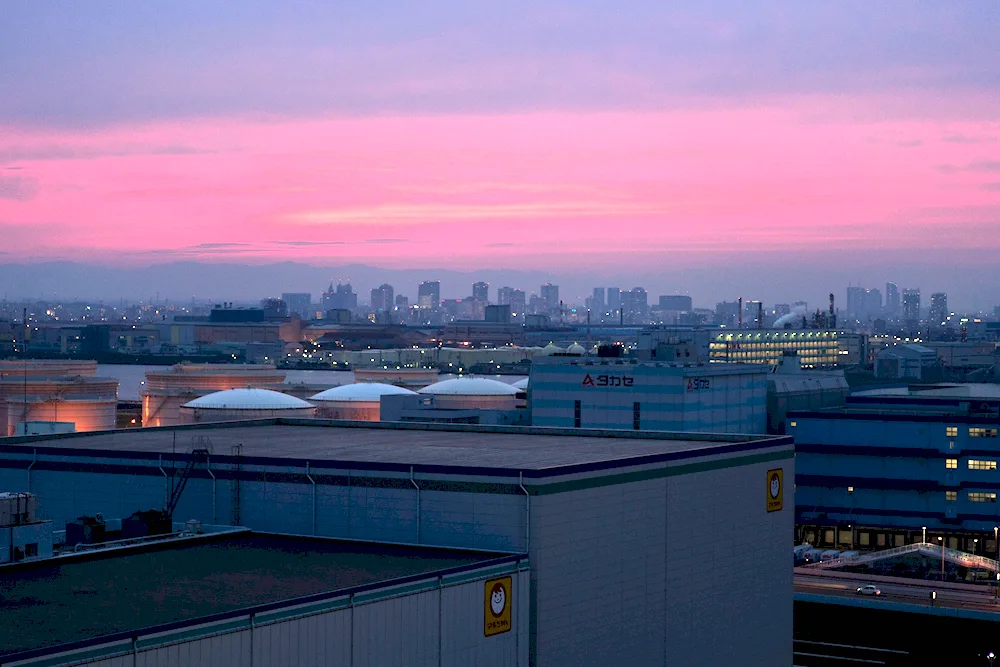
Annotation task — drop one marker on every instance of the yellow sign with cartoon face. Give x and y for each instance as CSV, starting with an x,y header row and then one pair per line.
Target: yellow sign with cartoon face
x,y
775,490
498,599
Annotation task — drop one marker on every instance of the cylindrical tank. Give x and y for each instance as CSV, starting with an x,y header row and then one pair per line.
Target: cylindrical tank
x,y
361,401
47,368
241,404
167,390
468,392
403,377
91,400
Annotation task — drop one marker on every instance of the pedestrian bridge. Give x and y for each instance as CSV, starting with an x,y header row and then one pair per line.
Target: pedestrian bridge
x,y
928,549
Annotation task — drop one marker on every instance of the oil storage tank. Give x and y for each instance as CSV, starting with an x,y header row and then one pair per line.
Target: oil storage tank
x,y
468,392
41,391
168,389
240,404
360,401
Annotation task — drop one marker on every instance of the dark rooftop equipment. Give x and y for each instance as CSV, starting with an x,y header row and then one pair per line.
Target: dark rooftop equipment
x,y
146,523
85,530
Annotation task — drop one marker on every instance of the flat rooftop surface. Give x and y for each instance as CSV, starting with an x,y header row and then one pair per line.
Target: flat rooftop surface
x,y
418,444
46,605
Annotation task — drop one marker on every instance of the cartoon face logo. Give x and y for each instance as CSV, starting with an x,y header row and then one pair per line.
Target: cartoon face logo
x,y
775,486
498,599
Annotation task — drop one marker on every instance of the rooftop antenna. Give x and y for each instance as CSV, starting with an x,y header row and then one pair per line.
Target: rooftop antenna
x,y
739,312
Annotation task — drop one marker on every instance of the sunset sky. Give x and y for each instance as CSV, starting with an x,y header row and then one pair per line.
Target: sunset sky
x,y
521,135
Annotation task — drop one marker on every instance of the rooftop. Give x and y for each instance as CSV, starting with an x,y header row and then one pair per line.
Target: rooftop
x,y
361,392
248,399
415,444
59,602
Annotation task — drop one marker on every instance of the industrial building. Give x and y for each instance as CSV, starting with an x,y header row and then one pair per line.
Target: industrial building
x,y
790,388
642,548
167,390
63,393
893,462
623,394
259,599
815,348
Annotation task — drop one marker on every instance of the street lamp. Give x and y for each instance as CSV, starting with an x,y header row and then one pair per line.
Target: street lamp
x,y
996,545
924,538
991,657
941,540
975,545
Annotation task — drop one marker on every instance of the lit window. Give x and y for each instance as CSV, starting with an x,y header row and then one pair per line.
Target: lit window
x,y
951,464
951,496
982,497
792,424
850,489
981,464
951,431
980,432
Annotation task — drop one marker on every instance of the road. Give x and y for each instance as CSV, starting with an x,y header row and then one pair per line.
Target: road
x,y
918,592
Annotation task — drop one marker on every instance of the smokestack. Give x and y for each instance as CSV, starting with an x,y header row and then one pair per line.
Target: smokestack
x,y
833,318
760,314
739,313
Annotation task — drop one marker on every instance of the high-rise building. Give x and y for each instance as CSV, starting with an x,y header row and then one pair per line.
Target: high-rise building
x,y
550,298
635,306
383,298
481,292
863,303
342,297
939,309
597,301
614,300
429,294
676,302
299,303
508,296
402,302
911,305
891,298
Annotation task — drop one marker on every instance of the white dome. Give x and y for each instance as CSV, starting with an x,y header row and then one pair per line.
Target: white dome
x,y
248,399
576,348
521,384
469,387
551,348
360,391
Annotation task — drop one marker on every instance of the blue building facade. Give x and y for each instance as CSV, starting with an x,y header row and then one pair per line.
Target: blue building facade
x,y
887,470
621,394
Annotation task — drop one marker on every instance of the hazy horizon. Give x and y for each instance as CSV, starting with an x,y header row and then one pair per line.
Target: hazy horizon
x,y
769,281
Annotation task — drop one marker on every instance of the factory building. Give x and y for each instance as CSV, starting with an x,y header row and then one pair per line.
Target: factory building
x,y
322,602
892,462
642,548
815,348
244,404
790,388
167,390
614,393
360,401
67,393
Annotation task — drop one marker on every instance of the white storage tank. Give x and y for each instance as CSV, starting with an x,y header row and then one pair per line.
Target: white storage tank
x,y
166,390
240,404
468,393
360,401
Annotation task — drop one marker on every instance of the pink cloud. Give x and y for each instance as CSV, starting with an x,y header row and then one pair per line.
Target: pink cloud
x,y
452,189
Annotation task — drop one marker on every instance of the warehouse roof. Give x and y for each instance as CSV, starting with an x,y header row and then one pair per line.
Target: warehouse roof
x,y
452,446
51,603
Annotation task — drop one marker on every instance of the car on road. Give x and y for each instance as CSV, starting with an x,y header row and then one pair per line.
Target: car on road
x,y
869,589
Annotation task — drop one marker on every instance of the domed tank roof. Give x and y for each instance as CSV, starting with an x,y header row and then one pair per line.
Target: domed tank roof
x,y
521,384
248,399
576,348
360,392
469,387
551,348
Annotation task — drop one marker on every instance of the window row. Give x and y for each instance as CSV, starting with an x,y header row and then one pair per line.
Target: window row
x,y
982,497
973,464
974,432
